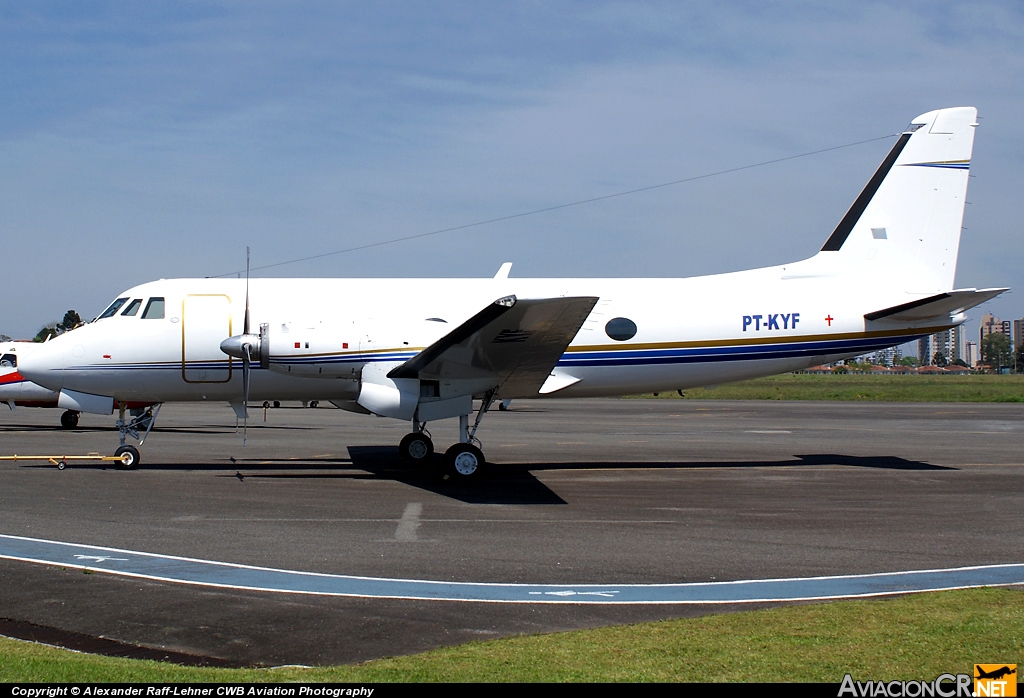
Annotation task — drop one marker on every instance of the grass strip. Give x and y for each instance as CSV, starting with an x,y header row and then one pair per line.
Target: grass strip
x,y
911,637
866,387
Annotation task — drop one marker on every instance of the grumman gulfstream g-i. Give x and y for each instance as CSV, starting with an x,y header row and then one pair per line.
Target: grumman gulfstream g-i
x,y
422,350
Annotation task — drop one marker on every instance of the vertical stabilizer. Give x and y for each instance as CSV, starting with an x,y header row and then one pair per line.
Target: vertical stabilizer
x,y
905,225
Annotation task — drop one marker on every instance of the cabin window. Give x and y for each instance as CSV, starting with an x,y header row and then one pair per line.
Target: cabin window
x,y
133,308
154,309
620,329
9,361
114,307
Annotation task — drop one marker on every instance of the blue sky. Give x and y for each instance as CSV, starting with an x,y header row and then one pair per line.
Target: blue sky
x,y
149,140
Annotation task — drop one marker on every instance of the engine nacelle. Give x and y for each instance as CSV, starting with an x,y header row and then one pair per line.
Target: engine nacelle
x,y
312,350
388,397
410,398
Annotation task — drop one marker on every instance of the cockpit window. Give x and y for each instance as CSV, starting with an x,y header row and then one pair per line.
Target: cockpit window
x,y
9,361
154,309
114,307
133,307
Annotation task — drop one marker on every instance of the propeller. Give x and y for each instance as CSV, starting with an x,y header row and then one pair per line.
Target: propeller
x,y
246,354
243,346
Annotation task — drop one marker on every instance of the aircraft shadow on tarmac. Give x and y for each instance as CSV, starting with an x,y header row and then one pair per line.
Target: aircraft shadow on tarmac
x,y
504,484
812,459
516,483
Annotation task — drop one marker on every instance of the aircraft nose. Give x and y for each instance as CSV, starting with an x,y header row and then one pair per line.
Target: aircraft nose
x,y
44,366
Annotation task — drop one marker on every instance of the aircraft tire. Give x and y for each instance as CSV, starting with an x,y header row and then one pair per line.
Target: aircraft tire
x,y
133,462
69,419
464,462
416,449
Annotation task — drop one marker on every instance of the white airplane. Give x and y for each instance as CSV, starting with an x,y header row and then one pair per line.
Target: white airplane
x,y
16,391
422,350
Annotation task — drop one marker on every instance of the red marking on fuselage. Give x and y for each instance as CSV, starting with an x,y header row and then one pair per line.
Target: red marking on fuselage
x,y
12,377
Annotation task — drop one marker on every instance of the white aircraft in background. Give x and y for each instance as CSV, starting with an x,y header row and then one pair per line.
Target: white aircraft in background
x,y
422,350
16,391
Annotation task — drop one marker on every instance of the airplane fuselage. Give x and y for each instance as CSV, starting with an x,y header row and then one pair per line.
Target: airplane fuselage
x,y
688,332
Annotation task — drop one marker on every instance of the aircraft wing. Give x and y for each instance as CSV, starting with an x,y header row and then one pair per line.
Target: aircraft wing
x,y
941,305
515,341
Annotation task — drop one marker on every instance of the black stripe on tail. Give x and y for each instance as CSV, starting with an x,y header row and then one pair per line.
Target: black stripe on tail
x,y
842,231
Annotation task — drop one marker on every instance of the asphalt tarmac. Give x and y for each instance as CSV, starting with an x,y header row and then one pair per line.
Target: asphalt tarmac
x,y
582,492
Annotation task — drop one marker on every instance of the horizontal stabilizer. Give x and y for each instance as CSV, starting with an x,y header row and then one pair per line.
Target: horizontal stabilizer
x,y
514,342
942,305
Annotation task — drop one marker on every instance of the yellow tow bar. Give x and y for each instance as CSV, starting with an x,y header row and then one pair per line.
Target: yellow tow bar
x,y
62,461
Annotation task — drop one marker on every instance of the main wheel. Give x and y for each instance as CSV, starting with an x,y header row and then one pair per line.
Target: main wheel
x,y
464,462
69,420
129,457
416,449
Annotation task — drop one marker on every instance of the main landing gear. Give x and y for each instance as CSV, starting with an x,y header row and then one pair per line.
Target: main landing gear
x,y
139,419
69,419
417,448
463,461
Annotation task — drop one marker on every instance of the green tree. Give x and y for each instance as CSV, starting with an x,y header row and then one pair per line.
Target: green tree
x,y
939,359
46,332
909,361
4,338
1019,359
71,321
995,350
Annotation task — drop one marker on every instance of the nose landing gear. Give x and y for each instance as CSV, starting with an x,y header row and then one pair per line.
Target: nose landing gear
x,y
140,419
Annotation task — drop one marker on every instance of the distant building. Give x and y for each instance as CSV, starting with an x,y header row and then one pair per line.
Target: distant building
x,y
1018,333
883,357
952,344
993,325
972,357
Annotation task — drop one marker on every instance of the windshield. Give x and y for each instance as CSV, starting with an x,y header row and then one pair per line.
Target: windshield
x,y
114,307
154,309
133,307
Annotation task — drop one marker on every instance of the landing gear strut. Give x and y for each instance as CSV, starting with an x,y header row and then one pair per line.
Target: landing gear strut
x,y
143,420
465,461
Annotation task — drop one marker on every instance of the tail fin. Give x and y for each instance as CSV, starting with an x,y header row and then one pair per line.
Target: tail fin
x,y
906,222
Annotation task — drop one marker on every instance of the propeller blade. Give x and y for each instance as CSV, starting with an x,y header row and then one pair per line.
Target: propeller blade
x,y
245,324
246,359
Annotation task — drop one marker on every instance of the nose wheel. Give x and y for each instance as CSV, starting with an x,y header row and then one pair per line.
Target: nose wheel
x,y
129,456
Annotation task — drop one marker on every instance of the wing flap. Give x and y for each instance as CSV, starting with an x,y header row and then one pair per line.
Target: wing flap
x,y
516,341
941,305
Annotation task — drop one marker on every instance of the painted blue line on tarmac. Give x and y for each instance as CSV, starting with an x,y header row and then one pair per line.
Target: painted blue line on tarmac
x,y
223,574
